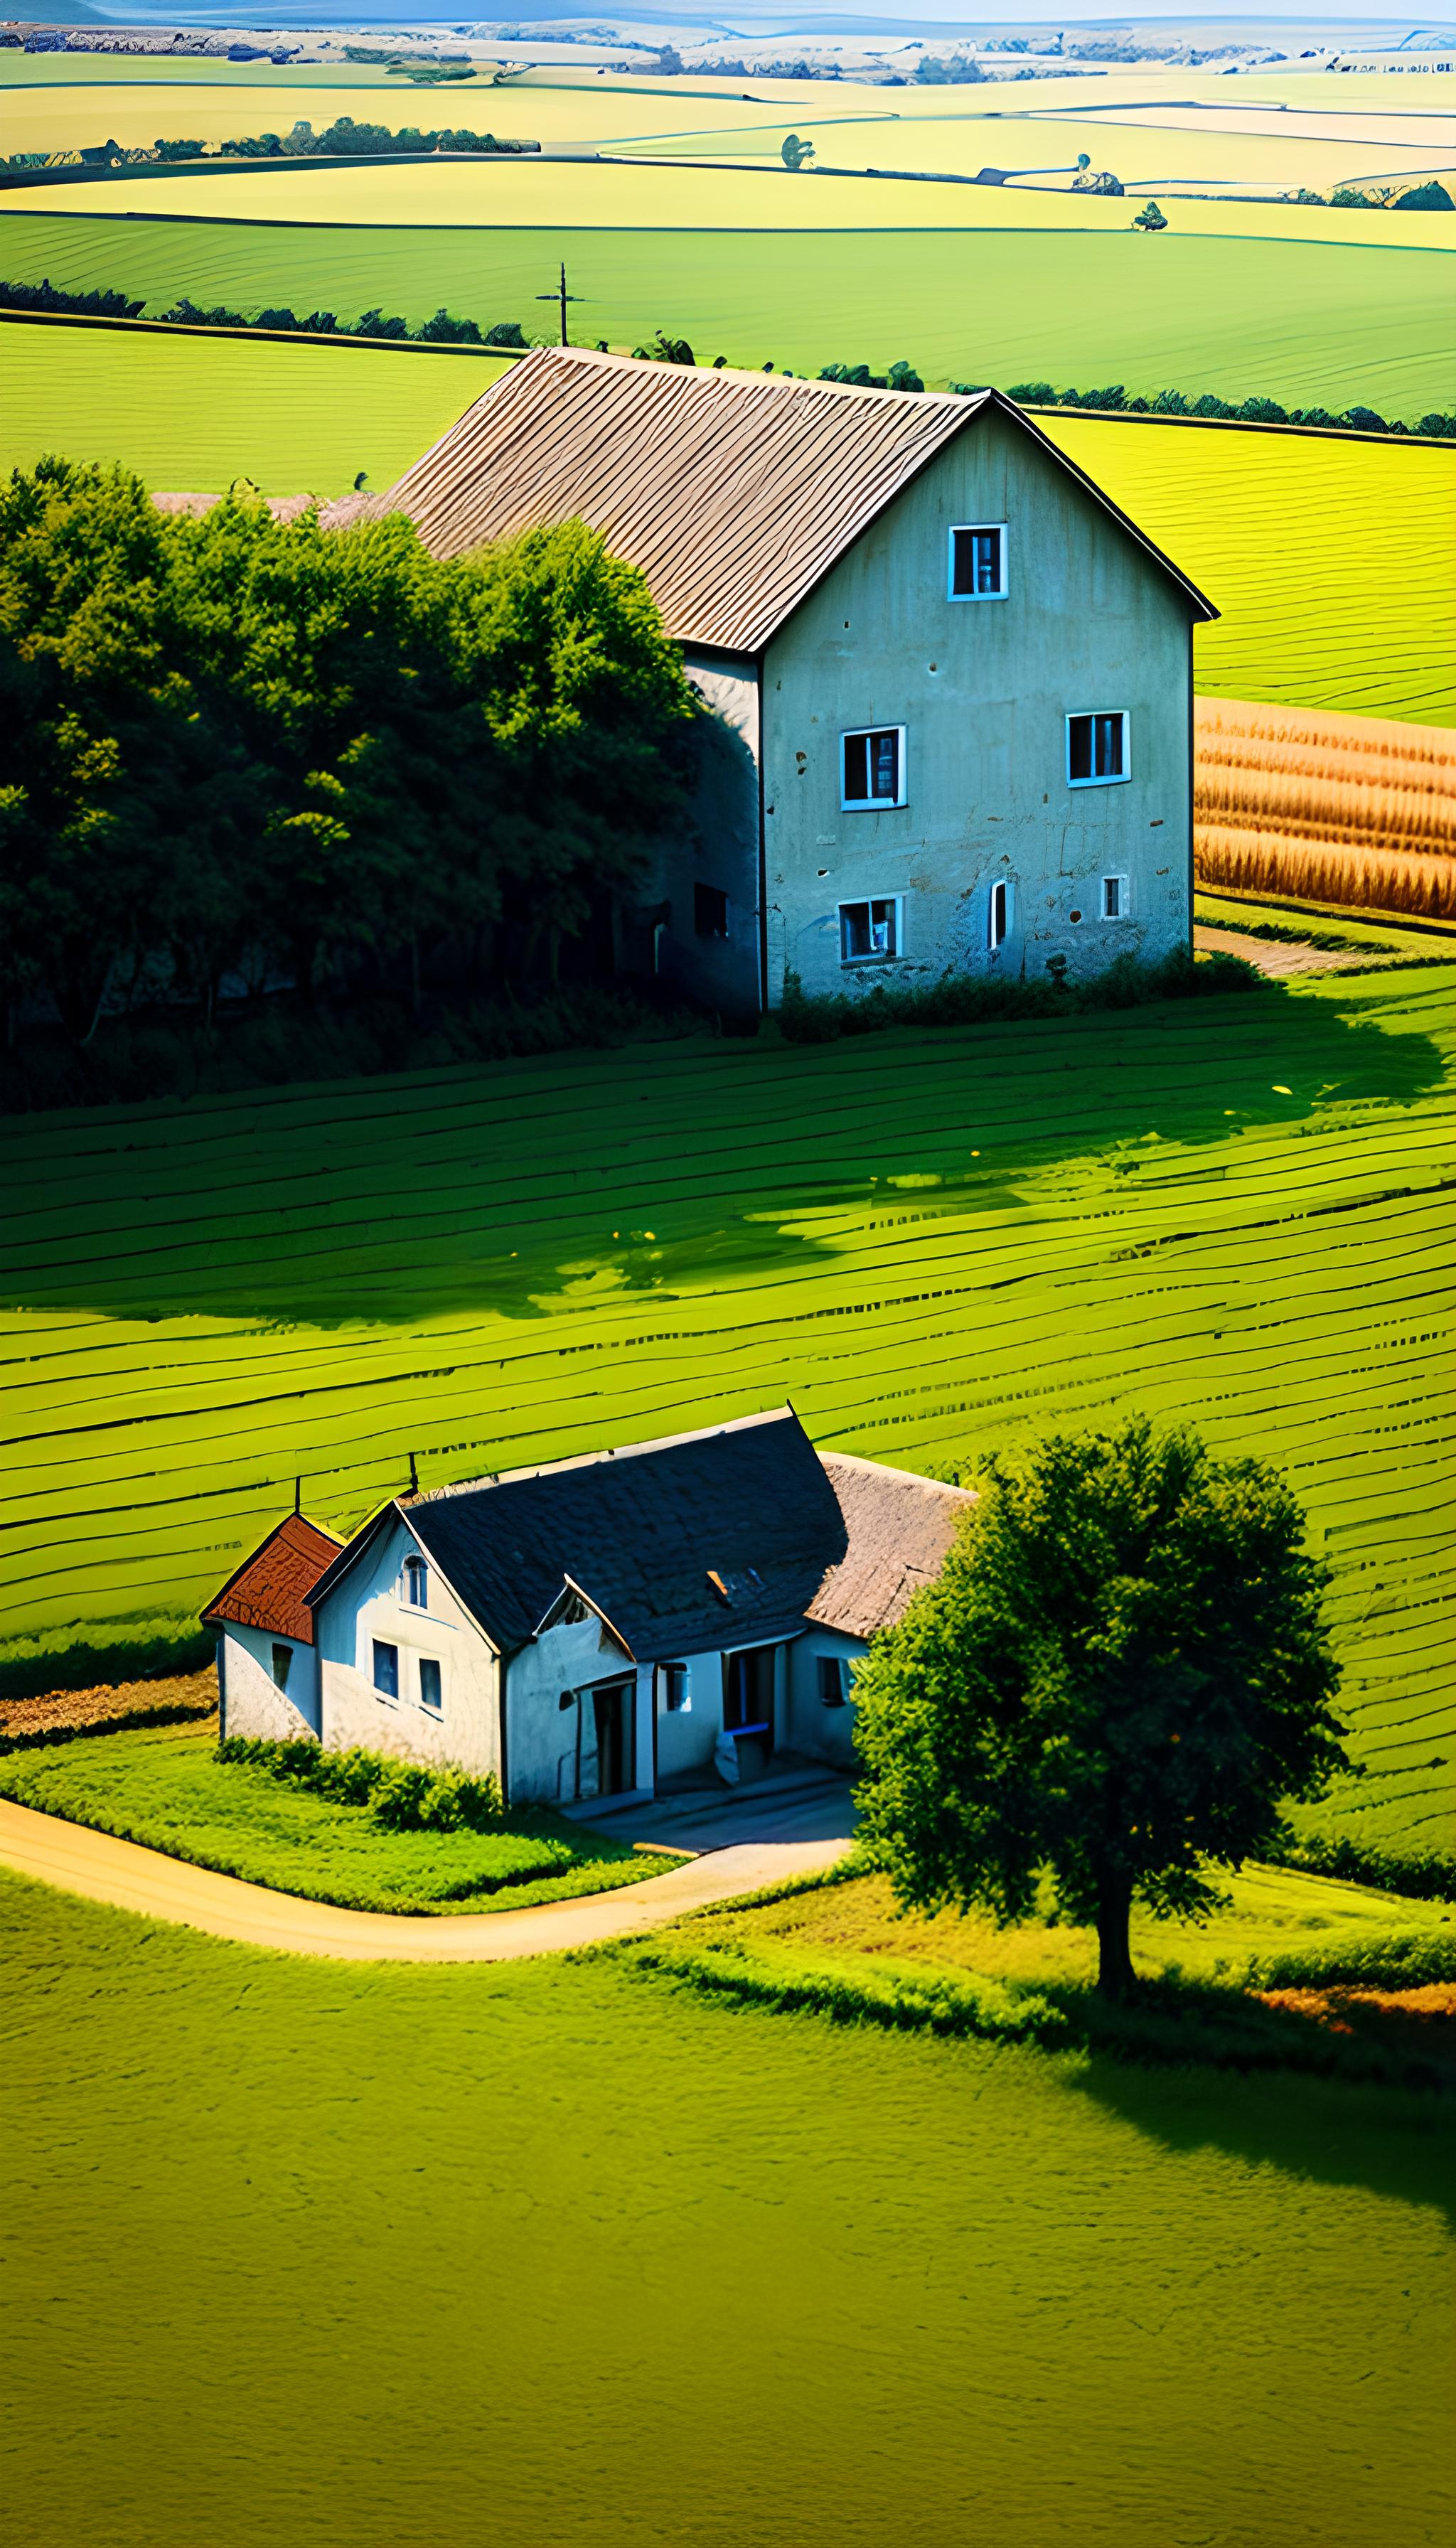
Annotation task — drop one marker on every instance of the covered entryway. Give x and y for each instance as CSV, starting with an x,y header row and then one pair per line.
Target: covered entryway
x,y
749,1677
613,1712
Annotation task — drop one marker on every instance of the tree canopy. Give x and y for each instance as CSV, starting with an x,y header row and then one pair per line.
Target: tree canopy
x,y
227,739
1120,1674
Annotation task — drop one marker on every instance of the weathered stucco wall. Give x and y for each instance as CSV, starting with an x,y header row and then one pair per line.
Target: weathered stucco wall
x,y
717,846
370,1603
983,688
551,1749
821,1733
251,1701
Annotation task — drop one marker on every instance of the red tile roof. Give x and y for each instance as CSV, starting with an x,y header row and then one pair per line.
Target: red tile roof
x,y
270,1591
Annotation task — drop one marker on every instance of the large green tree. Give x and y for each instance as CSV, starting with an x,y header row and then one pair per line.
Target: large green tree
x,y
224,734
1118,1678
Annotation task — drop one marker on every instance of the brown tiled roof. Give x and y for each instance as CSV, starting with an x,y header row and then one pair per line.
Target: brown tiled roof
x,y
900,1528
733,492
270,1590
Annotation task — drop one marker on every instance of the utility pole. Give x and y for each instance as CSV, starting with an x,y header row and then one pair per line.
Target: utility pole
x,y
561,297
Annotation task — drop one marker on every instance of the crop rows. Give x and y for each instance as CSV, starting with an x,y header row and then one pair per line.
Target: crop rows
x,y
1238,1216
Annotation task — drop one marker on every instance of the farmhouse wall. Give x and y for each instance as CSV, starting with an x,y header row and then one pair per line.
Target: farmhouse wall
x,y
717,846
550,1722
369,1603
250,1701
983,688
821,1733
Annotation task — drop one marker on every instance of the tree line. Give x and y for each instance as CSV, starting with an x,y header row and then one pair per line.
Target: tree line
x,y
233,746
341,140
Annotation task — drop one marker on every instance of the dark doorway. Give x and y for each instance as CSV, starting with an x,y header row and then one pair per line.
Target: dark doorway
x,y
613,1712
748,1695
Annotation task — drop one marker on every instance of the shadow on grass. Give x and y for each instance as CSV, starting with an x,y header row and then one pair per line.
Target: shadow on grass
x,y
647,1179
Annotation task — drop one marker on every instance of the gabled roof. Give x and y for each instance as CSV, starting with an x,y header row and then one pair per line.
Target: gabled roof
x,y
717,1538
900,1528
734,493
270,1589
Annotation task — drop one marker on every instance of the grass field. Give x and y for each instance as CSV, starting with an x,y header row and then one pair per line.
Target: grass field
x,y
165,1787
1255,518
1294,320
331,2253
1239,1216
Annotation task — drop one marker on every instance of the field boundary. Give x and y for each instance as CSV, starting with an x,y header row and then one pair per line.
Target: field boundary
x,y
513,354
1264,901
255,335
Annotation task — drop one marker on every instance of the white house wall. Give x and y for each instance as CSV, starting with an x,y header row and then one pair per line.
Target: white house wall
x,y
369,1603
821,1733
551,1750
983,688
251,1701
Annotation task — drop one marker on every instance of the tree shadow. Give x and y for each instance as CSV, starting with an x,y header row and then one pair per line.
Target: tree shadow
x,y
1204,2068
675,1169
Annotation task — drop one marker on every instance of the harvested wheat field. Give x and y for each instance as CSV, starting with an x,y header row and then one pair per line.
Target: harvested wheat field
x,y
1311,806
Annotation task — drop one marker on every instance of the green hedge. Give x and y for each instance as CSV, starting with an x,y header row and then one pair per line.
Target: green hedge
x,y
402,1795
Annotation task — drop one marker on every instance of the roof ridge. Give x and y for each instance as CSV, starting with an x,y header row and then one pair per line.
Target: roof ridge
x,y
599,1459
886,1469
963,402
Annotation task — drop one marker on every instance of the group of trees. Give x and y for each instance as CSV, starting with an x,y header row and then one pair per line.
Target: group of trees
x,y
1254,410
1120,1676
443,329
341,140
233,746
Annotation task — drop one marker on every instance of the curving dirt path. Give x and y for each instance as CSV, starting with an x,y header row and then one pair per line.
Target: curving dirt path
x,y
106,1869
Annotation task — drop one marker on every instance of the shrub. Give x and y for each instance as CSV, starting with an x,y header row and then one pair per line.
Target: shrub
x,y
975,999
402,1795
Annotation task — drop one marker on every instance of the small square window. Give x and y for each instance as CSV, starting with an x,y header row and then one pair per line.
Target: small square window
x,y
870,932
979,561
386,1670
282,1665
873,768
677,1695
431,1690
709,911
416,1583
833,1680
1097,748
1115,904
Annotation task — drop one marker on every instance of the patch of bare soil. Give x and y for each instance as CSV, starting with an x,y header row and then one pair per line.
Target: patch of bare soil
x,y
63,1714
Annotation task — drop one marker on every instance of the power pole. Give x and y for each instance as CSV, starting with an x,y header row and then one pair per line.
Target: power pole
x,y
561,297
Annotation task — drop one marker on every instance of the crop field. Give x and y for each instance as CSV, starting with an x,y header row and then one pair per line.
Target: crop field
x,y
1264,522
1359,810
964,2311
1253,516
198,411
1339,324
1239,1216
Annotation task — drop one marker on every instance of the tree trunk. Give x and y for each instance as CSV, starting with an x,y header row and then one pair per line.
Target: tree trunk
x,y
1115,1974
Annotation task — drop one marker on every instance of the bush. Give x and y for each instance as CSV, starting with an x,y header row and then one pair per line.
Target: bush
x,y
402,1795
975,999
1428,1878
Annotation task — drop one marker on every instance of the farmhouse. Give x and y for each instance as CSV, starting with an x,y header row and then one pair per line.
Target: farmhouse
x,y
952,681
610,1626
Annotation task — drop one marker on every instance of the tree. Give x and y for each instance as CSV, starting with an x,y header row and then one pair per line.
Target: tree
x,y
795,153
1119,1675
1149,218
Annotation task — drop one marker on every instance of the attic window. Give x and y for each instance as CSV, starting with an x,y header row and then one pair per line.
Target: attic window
x,y
979,561
416,1583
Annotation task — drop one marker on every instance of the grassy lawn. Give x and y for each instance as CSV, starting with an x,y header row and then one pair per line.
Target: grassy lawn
x,y
321,2253
165,1787
933,1242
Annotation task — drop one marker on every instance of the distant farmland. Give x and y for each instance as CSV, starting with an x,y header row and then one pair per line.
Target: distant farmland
x,y
1230,1210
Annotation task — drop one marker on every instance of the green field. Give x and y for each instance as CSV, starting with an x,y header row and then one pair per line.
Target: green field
x,y
343,2258
164,1787
1231,1210
1263,521
1296,321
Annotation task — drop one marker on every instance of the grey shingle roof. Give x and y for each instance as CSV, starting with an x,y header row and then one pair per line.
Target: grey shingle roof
x,y
639,1532
733,492
899,1529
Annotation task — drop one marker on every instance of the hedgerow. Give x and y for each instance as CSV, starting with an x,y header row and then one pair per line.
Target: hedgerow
x,y
969,999
49,299
1253,411
402,1795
